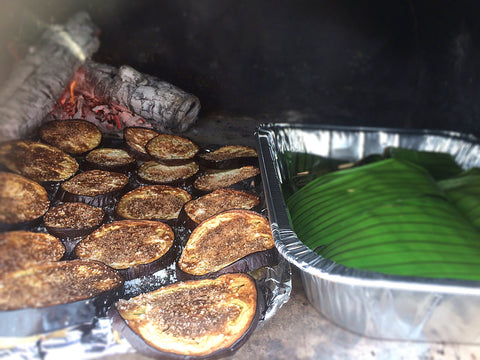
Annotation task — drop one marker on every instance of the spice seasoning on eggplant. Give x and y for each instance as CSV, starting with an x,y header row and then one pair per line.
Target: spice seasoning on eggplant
x,y
74,136
136,138
37,161
224,239
224,178
21,200
210,317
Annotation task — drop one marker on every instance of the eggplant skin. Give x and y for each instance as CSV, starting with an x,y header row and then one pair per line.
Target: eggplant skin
x,y
246,264
130,330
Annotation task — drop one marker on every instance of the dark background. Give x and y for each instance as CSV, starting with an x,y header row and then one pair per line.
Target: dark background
x,y
399,63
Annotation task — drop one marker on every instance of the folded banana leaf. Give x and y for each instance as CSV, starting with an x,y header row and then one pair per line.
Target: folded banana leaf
x,y
301,168
463,191
389,216
440,165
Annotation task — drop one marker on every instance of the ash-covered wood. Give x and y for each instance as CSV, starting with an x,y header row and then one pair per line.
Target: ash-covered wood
x,y
158,103
41,77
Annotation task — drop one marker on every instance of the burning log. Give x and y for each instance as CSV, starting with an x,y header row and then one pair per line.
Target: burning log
x,y
114,98
40,78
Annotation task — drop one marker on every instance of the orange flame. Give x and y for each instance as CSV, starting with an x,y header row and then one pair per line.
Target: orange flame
x,y
72,96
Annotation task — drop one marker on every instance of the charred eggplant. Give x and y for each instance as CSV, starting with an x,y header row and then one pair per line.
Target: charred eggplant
x,y
243,178
23,249
72,220
133,247
152,202
201,319
22,201
229,157
153,172
55,295
37,161
136,138
232,241
172,149
95,187
110,159
74,136
197,210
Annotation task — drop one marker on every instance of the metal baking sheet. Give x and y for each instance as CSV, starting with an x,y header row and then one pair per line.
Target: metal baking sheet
x,y
368,303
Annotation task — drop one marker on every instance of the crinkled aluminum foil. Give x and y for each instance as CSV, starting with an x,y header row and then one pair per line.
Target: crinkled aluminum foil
x,y
368,303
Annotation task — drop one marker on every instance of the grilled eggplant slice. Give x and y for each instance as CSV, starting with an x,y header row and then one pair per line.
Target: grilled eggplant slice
x,y
232,241
55,295
153,172
229,157
23,249
74,136
135,248
198,319
197,210
136,138
243,178
72,220
22,201
95,187
172,149
110,159
37,161
152,202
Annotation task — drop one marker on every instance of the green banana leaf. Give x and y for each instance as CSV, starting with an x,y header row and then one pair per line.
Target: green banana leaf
x,y
389,216
463,191
440,165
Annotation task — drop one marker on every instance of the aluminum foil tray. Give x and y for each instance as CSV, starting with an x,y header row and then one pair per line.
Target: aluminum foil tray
x,y
368,303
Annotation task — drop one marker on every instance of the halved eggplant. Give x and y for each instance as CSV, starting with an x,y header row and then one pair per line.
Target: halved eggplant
x,y
22,201
56,295
71,220
172,149
37,161
244,178
110,159
152,202
231,241
197,210
95,187
22,249
135,140
229,157
135,248
153,172
74,136
201,319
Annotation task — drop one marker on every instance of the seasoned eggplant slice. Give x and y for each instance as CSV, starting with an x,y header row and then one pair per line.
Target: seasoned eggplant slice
x,y
229,157
55,295
22,201
71,220
37,161
23,249
136,138
154,172
197,210
94,187
222,240
198,319
172,149
243,177
74,136
110,159
152,202
133,247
